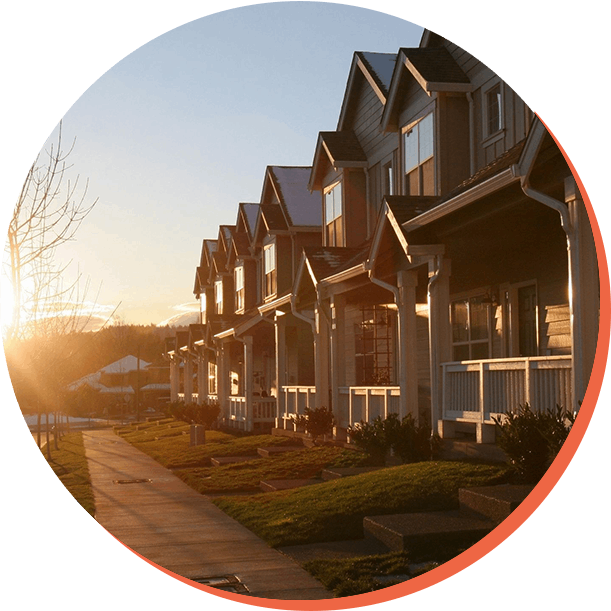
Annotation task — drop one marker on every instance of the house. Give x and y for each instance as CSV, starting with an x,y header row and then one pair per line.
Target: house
x,y
436,260
254,350
455,304
117,384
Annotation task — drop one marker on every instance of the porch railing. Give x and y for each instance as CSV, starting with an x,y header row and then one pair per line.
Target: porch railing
x,y
368,402
477,390
263,410
295,400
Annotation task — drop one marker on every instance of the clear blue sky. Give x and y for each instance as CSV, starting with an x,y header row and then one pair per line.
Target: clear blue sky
x,y
173,137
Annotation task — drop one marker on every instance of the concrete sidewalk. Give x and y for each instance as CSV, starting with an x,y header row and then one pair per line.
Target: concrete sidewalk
x,y
181,530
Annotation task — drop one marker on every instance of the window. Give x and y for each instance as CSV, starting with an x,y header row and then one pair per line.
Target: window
x,y
493,110
374,340
470,329
333,216
238,275
418,151
388,179
271,276
218,296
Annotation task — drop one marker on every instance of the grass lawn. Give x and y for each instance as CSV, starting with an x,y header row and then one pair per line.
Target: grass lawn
x,y
70,465
334,511
329,511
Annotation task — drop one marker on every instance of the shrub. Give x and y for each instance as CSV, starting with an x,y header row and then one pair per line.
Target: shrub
x,y
192,413
532,440
410,441
317,422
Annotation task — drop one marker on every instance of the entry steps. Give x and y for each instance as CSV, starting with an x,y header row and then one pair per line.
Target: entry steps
x,y
481,510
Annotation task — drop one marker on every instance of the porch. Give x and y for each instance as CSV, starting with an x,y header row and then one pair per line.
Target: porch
x,y
475,391
262,412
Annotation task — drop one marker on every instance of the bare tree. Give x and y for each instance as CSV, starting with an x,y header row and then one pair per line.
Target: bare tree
x,y
48,213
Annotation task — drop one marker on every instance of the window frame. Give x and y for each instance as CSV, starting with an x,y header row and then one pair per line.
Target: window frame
x,y
334,229
488,135
471,342
238,274
218,296
372,365
270,275
419,167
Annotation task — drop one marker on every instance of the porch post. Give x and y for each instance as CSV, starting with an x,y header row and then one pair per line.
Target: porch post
x,y
440,337
248,381
188,378
280,329
204,380
408,348
338,369
584,292
222,378
174,379
321,354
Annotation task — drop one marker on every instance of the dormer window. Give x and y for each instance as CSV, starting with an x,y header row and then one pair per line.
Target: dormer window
x,y
238,274
419,160
218,297
269,263
493,110
333,215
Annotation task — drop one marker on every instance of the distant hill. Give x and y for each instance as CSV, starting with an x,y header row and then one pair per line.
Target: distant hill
x,y
182,319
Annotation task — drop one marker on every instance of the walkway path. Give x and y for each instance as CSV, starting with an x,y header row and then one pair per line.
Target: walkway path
x,y
181,530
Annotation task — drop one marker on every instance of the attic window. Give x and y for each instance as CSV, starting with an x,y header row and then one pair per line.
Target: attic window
x,y
493,111
269,262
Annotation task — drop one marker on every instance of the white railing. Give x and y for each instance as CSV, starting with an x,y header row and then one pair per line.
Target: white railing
x,y
477,390
368,402
263,409
295,400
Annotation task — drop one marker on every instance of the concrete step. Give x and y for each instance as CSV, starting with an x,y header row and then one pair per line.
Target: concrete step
x,y
481,509
339,472
272,485
493,502
218,461
275,450
416,532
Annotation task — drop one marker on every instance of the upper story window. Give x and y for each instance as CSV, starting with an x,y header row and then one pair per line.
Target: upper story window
x,y
333,215
269,264
238,275
418,153
493,110
218,297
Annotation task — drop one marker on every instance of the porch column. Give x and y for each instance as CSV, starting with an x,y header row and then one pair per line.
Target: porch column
x,y
174,380
440,337
338,359
222,378
584,291
280,330
203,381
321,354
408,347
248,381
188,378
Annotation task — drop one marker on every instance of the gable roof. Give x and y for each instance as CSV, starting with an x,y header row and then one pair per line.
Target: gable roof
x,y
248,214
432,68
328,261
376,69
301,207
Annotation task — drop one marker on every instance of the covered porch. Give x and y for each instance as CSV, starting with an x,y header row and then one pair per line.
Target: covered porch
x,y
246,375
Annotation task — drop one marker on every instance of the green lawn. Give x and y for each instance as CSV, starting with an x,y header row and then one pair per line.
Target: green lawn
x,y
334,511
70,465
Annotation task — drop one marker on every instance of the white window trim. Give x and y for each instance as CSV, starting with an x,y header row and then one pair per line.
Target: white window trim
x,y
341,216
430,110
486,137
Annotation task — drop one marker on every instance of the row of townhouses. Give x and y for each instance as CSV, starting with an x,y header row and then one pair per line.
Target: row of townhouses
x,y
436,259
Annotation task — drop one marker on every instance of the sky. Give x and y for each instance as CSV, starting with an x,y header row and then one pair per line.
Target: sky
x,y
174,136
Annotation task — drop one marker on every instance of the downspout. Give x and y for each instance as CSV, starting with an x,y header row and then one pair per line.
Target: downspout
x,y
435,407
301,316
574,271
